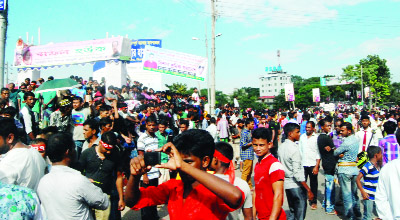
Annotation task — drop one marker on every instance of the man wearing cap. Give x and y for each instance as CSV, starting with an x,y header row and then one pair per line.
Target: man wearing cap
x,y
62,117
101,164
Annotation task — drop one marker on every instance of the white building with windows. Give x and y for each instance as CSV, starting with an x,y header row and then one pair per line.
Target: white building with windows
x,y
271,85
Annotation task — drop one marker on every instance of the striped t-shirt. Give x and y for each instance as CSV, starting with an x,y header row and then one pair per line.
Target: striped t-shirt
x,y
371,175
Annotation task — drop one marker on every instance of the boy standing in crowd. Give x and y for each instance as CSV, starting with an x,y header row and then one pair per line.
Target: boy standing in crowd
x,y
295,185
268,177
370,173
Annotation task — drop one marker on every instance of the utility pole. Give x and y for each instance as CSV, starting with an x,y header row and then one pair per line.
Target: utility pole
x,y
6,72
362,87
3,31
212,80
208,71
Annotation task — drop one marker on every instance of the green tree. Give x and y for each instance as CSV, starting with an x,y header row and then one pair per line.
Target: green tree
x,y
376,75
248,98
180,88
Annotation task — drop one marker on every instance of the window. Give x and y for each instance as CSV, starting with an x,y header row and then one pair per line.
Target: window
x,y
275,90
262,79
262,85
262,90
275,84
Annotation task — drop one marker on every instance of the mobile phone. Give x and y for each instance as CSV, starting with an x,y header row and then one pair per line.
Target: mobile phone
x,y
152,158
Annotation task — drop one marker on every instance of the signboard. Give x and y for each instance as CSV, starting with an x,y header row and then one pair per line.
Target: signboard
x,y
3,5
289,92
273,69
328,106
366,92
175,63
333,81
316,95
116,48
322,81
359,94
137,48
347,93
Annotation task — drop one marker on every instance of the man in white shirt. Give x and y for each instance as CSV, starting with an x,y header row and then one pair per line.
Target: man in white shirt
x,y
387,193
196,98
310,159
366,135
64,192
148,141
212,129
221,164
21,165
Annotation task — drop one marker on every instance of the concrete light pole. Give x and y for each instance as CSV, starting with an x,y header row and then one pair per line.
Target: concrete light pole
x,y
212,77
3,31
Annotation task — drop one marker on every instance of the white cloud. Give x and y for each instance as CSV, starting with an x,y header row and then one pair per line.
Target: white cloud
x,y
278,13
254,37
161,33
131,26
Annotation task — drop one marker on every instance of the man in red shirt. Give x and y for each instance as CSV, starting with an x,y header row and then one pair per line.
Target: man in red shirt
x,y
199,195
269,175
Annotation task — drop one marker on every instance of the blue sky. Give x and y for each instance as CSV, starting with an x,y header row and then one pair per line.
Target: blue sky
x,y
315,37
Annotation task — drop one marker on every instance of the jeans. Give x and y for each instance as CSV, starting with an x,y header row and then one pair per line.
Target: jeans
x,y
150,212
369,208
247,170
313,182
297,200
329,201
351,202
78,148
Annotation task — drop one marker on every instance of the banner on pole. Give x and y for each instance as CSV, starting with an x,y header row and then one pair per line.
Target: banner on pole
x,y
289,92
137,48
359,95
316,95
116,48
175,63
366,92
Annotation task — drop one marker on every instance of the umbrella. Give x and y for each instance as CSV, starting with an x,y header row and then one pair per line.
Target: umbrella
x,y
57,84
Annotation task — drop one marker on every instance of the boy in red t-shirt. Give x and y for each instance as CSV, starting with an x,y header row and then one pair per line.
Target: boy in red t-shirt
x,y
269,175
199,195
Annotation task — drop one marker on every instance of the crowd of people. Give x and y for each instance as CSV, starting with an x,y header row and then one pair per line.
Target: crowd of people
x,y
91,151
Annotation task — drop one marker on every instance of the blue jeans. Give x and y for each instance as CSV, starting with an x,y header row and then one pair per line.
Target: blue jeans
x,y
297,200
329,201
78,148
369,207
351,202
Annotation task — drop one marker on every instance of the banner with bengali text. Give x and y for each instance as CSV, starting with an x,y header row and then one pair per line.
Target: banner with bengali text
x,y
175,63
116,48
289,92
137,48
316,95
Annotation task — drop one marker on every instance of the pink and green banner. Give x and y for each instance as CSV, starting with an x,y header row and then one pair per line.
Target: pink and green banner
x,y
116,48
175,63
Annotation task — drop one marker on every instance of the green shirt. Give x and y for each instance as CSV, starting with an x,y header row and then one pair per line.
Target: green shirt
x,y
36,107
162,140
47,96
21,97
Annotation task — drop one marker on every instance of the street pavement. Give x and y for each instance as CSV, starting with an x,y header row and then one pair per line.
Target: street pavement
x,y
319,213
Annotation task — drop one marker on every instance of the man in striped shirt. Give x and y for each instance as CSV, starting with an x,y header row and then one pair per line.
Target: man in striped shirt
x,y
370,173
247,153
390,147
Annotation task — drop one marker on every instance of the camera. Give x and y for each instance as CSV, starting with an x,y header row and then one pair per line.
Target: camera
x,y
152,158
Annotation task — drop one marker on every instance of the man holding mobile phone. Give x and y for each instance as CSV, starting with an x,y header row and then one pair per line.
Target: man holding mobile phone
x,y
148,142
